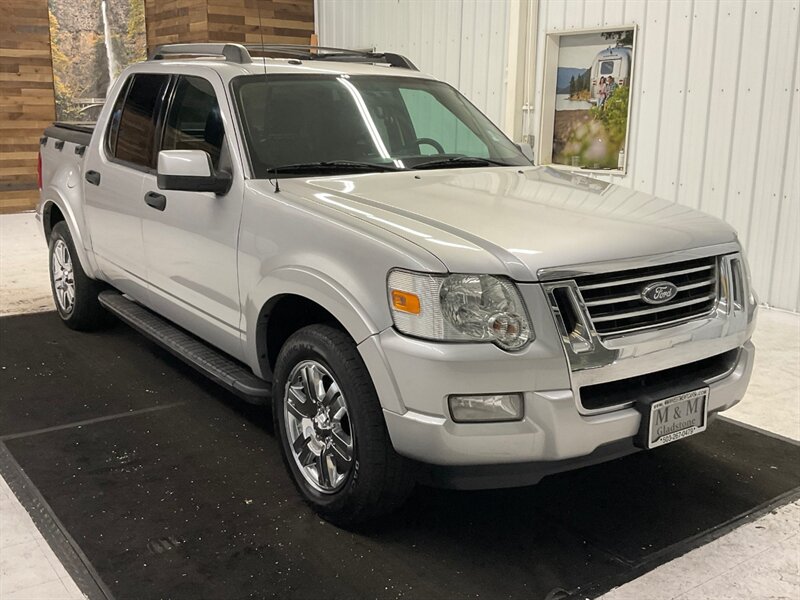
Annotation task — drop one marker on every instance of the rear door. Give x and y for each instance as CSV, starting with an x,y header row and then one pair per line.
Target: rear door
x,y
114,173
190,245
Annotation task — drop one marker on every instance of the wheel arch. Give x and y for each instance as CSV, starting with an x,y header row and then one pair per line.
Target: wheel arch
x,y
51,214
54,211
294,297
282,316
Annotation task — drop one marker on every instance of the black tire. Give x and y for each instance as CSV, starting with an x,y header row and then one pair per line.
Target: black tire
x,y
379,479
83,312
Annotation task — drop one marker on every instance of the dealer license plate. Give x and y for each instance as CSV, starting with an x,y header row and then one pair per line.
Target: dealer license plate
x,y
677,417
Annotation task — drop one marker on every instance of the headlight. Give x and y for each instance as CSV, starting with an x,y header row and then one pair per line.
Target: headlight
x,y
752,297
459,308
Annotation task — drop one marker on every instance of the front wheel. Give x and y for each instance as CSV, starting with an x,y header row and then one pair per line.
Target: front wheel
x,y
74,292
331,428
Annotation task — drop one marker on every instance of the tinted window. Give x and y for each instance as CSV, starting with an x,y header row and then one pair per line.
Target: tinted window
x,y
607,67
381,120
194,121
113,121
136,135
293,120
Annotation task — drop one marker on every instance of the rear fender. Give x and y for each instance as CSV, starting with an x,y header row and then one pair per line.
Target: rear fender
x,y
74,219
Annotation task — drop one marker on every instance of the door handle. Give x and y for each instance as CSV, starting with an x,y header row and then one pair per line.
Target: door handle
x,y
93,177
156,200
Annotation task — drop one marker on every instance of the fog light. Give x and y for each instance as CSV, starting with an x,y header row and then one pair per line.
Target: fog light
x,y
494,407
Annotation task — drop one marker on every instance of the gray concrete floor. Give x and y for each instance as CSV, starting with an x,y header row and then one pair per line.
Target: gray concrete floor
x,y
759,560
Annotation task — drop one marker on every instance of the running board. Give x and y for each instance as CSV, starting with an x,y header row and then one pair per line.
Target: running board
x,y
215,365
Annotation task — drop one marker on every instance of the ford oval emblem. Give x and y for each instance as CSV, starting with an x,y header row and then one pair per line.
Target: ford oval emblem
x,y
659,292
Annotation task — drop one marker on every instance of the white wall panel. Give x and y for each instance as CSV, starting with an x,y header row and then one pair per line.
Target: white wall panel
x,y
716,118
724,76
784,278
462,42
672,99
699,95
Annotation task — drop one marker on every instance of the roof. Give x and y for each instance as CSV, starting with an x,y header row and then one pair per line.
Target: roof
x,y
231,60
275,66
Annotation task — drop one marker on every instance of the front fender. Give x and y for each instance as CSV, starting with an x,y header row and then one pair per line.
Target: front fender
x,y
315,286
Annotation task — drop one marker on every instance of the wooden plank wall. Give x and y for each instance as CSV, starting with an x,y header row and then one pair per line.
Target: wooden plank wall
x,y
174,21
27,101
242,21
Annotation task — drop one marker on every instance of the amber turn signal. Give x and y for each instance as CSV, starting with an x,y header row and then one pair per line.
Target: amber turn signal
x,y
405,302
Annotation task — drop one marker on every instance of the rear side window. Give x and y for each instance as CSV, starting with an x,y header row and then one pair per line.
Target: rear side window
x,y
135,136
194,121
113,121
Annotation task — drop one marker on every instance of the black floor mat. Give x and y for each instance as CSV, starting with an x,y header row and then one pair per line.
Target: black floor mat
x,y
190,499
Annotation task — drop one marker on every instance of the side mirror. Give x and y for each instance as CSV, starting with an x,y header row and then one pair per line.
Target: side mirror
x,y
526,150
191,171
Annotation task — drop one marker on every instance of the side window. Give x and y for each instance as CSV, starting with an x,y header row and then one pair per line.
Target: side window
x,y
136,134
432,119
194,121
113,121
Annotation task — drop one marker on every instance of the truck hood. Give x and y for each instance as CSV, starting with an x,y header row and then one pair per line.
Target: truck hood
x,y
516,221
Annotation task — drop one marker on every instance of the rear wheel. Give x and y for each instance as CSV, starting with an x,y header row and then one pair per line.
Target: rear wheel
x,y
74,292
331,428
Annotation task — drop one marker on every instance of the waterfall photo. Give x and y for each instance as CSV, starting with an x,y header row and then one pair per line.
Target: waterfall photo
x,y
91,42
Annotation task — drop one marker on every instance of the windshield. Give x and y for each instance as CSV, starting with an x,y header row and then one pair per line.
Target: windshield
x,y
299,124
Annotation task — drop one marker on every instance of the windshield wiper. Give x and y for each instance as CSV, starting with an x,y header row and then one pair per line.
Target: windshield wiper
x,y
460,161
334,165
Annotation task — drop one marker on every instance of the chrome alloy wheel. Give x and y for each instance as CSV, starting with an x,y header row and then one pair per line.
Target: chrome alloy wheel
x,y
318,426
63,277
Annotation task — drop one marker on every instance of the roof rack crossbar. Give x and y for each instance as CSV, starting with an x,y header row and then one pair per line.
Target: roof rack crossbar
x,y
238,53
306,48
331,53
235,53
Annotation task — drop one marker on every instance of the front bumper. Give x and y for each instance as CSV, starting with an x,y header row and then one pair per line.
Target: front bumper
x,y
552,429
414,378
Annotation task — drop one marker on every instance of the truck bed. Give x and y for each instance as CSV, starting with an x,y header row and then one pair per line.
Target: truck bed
x,y
61,150
77,133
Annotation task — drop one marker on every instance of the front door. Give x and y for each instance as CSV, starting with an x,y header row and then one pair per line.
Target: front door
x,y
190,245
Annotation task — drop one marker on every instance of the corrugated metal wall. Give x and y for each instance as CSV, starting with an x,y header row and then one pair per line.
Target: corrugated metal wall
x,y
463,42
716,119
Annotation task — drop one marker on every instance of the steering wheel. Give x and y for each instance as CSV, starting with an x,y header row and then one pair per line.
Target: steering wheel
x,y
430,142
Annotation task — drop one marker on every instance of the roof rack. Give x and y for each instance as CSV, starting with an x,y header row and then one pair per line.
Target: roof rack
x,y
240,54
231,52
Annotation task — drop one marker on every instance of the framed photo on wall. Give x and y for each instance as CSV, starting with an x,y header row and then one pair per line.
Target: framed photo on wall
x,y
586,103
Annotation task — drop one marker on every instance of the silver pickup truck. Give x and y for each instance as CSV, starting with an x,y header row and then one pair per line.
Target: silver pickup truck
x,y
350,241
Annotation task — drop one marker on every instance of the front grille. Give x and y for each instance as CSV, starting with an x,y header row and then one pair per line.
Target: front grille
x,y
615,393
614,300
